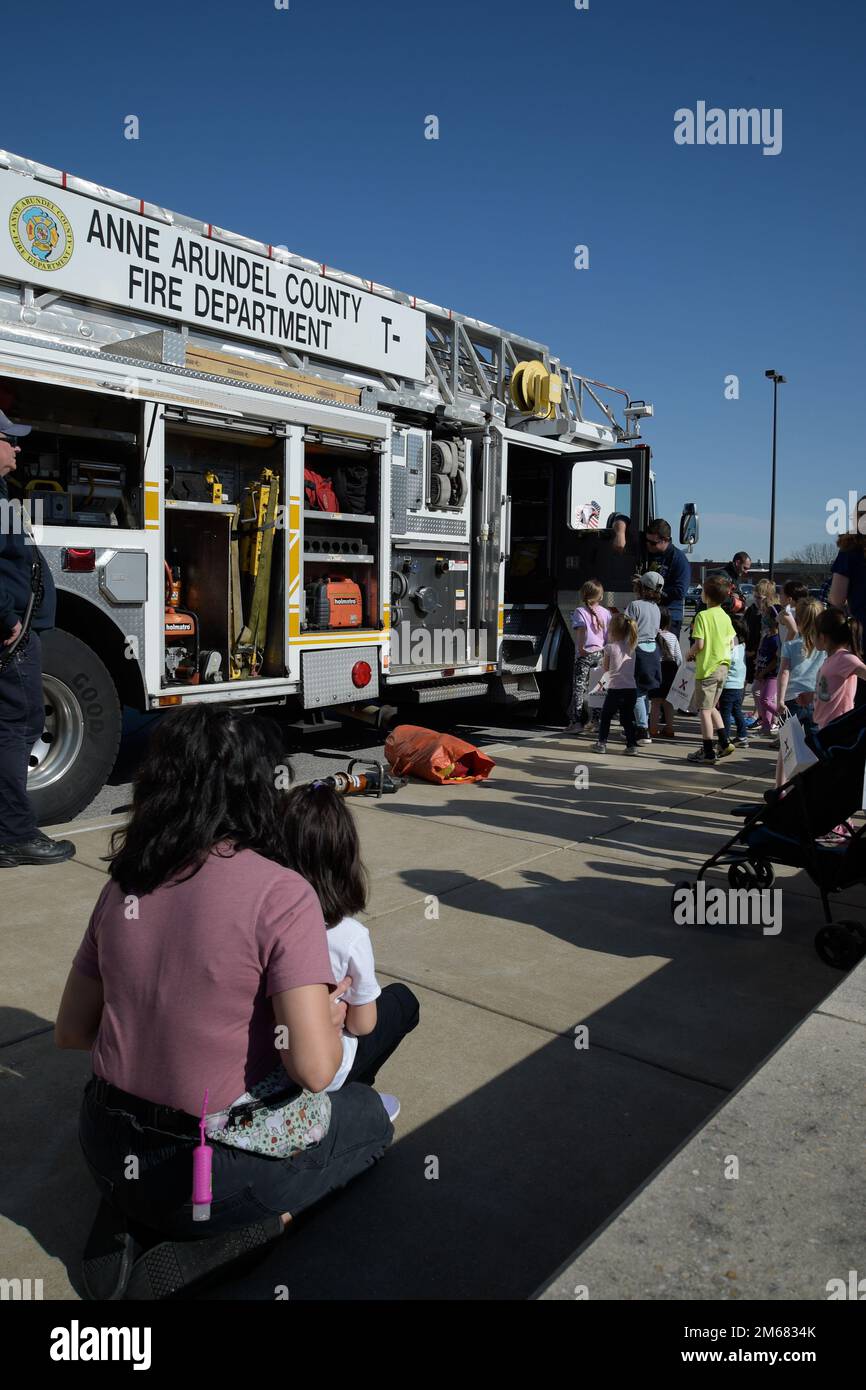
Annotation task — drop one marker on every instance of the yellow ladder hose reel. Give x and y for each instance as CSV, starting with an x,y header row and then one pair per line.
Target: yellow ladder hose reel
x,y
535,390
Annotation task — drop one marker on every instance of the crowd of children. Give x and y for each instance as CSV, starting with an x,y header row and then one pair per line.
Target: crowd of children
x,y
800,657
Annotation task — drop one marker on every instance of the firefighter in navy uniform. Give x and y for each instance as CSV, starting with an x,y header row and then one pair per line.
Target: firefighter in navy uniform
x,y
21,703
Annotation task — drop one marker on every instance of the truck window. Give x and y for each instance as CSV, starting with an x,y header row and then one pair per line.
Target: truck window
x,y
623,491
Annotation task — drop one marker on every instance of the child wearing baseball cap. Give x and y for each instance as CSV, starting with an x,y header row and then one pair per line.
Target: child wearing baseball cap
x,y
645,611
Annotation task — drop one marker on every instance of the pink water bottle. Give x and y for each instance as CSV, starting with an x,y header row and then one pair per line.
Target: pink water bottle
x,y
202,1185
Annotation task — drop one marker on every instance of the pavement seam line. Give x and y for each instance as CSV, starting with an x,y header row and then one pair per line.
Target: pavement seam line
x,y
459,887
842,1018
554,1033
562,844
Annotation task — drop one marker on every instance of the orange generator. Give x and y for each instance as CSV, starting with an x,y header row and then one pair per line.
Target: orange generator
x,y
334,602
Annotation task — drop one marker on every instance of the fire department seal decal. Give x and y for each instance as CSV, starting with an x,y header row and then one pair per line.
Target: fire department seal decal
x,y
41,233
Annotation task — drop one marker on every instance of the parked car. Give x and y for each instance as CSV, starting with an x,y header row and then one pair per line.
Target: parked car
x,y
693,595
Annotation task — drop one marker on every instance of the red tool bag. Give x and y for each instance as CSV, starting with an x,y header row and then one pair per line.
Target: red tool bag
x,y
415,752
319,494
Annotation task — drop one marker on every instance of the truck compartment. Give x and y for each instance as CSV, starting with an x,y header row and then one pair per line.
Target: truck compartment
x,y
81,464
430,598
341,553
224,554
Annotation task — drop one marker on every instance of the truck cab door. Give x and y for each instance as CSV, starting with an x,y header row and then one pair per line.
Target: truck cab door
x,y
584,542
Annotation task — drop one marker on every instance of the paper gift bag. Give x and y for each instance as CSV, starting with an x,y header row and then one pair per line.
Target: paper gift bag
x,y
796,753
682,687
597,688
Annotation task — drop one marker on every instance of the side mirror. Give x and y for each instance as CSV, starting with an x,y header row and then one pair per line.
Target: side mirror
x,y
690,528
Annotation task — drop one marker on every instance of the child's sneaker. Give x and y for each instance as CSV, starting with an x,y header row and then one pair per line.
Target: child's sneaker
x,y
643,735
724,752
391,1104
743,743
631,748
599,747
699,756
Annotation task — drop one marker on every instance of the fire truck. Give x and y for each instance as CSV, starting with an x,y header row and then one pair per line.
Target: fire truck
x,y
261,480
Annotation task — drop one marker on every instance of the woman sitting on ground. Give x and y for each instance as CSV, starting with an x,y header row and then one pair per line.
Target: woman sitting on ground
x,y
205,967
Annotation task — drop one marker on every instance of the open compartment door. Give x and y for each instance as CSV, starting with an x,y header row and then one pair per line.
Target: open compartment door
x,y
490,545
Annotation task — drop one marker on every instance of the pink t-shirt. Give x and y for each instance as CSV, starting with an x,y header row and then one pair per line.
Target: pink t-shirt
x,y
835,687
187,983
620,666
594,637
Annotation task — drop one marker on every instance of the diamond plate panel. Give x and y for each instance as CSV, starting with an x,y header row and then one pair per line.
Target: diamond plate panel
x,y
460,691
326,677
437,526
415,471
398,499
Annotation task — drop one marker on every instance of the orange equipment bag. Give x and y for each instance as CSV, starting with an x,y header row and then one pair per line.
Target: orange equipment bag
x,y
415,752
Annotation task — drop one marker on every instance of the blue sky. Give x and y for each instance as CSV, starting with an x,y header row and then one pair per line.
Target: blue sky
x,y
306,127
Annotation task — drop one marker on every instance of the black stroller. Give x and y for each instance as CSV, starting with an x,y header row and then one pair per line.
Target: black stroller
x,y
785,829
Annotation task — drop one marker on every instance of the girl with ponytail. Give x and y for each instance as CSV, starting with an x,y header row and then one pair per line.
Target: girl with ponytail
x,y
590,623
836,684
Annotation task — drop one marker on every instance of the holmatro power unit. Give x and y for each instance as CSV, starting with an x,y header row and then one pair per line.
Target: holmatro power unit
x,y
334,602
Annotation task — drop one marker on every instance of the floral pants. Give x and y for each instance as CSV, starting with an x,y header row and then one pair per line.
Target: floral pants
x,y
583,668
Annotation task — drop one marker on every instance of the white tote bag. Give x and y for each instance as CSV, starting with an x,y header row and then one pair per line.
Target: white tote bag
x,y
796,753
597,687
682,687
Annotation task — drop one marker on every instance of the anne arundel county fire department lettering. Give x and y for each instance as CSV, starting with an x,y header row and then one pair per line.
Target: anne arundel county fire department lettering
x,y
103,252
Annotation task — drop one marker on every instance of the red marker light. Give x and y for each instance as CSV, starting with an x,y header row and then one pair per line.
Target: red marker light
x,y
362,673
79,561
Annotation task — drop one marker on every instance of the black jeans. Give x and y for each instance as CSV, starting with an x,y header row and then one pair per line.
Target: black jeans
x,y
396,1015
21,723
621,702
156,1190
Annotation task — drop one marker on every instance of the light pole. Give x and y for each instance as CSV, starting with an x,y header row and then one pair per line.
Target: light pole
x,y
777,380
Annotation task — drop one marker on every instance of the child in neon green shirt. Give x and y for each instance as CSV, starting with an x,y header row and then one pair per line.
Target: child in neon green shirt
x,y
712,644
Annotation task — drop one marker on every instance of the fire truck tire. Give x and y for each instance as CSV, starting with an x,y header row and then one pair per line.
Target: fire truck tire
x,y
72,760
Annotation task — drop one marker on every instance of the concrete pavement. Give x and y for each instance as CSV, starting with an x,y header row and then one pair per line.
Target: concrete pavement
x,y
767,1200
518,910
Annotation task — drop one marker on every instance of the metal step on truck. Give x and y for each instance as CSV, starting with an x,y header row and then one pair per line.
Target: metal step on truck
x,y
260,480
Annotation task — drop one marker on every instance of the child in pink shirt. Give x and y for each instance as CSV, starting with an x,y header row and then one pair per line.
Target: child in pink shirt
x,y
836,684
621,689
590,623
